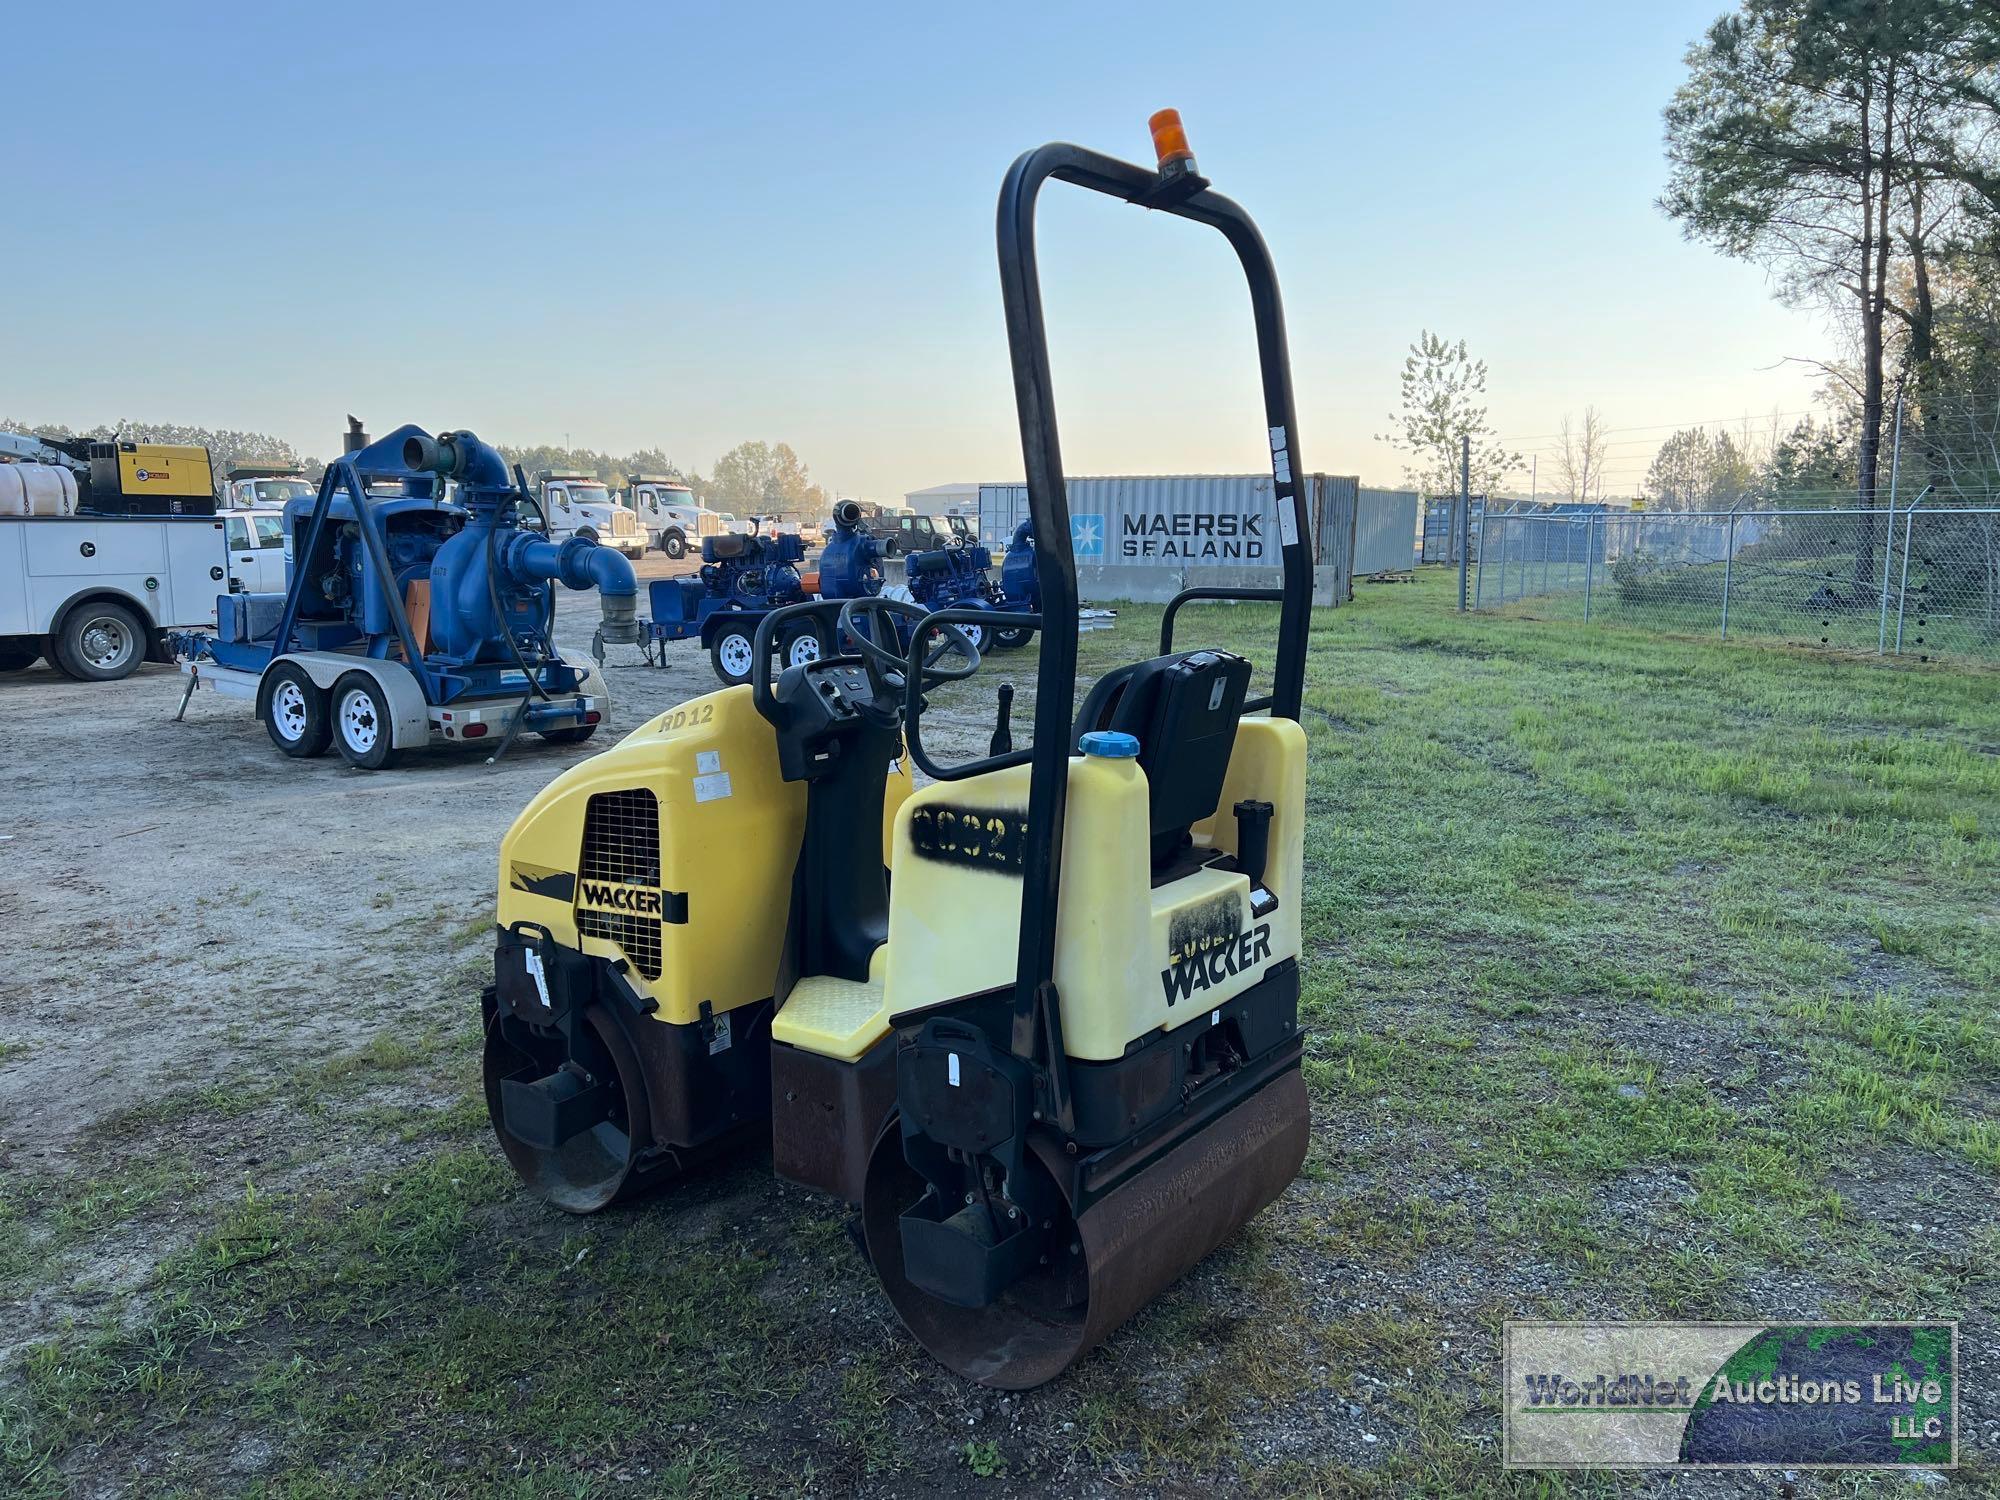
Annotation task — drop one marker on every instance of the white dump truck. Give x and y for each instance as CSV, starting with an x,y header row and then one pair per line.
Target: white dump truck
x,y
579,504
669,514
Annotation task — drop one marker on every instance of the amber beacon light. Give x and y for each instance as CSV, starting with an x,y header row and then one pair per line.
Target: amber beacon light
x,y
1170,143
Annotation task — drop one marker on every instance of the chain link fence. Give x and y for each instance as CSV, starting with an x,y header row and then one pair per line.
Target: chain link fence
x,y
1921,581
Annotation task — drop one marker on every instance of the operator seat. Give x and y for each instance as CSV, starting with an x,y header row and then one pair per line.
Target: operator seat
x,y
1183,710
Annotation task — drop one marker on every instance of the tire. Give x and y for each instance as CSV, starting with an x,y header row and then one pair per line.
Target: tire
x,y
1014,638
977,634
576,734
733,653
18,656
101,642
294,710
588,533
674,545
363,730
801,645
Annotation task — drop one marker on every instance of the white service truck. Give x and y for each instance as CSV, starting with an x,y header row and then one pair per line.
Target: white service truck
x,y
97,594
580,505
669,514
250,485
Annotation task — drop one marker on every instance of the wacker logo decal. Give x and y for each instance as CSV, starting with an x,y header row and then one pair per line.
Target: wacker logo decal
x,y
1208,944
986,838
635,900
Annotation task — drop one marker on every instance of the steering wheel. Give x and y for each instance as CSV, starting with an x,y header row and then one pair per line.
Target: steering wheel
x,y
890,667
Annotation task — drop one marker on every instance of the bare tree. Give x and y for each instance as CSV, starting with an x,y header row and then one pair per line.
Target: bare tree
x,y
1580,464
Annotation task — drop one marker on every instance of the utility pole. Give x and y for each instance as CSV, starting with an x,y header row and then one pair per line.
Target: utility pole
x,y
1464,513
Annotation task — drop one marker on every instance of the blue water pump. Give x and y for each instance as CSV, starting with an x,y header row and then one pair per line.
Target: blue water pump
x,y
959,578
850,565
419,607
1018,585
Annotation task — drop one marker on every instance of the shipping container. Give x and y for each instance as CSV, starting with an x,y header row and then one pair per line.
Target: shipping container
x,y
1147,537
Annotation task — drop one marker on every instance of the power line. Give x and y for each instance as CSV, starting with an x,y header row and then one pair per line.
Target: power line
x,y
1663,426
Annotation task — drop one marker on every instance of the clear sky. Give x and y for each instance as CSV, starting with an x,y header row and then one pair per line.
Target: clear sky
x,y
685,225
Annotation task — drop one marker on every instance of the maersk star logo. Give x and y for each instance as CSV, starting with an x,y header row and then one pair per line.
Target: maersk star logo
x,y
1086,536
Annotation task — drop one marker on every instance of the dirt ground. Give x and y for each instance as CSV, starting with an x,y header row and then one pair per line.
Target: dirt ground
x,y
198,903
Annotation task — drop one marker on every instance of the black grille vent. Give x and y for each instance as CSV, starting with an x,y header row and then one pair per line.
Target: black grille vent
x,y
621,846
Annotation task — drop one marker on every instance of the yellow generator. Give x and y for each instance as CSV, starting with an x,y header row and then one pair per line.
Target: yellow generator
x,y
1037,1017
150,479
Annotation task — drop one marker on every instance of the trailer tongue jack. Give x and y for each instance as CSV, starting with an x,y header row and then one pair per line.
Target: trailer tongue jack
x,y
1057,1061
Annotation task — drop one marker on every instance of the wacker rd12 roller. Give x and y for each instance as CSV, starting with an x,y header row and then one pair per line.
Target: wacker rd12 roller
x,y
1056,1062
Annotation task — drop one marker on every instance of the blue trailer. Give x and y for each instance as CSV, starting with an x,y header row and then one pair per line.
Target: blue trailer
x,y
744,578
418,610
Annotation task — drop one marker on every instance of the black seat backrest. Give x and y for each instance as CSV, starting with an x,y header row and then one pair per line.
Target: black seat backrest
x,y
724,546
1183,710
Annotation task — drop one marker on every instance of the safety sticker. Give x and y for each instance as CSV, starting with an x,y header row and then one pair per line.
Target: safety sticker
x,y
951,1068
533,961
1281,458
719,1041
708,762
711,788
1288,521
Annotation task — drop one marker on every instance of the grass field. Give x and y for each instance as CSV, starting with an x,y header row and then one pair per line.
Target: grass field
x,y
1647,978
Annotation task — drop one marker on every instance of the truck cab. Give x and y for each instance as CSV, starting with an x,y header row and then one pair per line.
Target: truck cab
x,y
668,513
247,486
579,504
901,535
255,540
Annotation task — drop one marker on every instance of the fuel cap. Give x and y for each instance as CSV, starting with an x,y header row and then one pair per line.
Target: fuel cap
x,y
1110,744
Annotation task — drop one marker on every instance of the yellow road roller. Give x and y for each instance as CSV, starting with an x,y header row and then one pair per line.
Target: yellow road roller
x,y
1038,1016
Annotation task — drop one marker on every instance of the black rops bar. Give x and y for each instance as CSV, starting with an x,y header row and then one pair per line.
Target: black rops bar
x,y
1037,1013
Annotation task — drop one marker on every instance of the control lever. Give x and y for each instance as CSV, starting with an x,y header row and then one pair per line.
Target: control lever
x,y
1003,722
1253,850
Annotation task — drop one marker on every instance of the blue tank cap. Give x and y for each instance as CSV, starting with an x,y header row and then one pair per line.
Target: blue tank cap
x,y
1110,744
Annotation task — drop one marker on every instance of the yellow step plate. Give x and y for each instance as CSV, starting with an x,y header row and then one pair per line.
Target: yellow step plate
x,y
832,1017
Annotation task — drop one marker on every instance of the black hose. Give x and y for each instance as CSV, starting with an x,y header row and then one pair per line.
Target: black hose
x,y
493,596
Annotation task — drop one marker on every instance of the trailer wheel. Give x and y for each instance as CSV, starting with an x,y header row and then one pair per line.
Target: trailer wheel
x,y
18,656
801,645
362,728
293,709
1013,638
674,545
734,653
100,642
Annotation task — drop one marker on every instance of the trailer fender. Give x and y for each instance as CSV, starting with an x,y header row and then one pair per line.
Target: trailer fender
x,y
714,623
410,713
592,685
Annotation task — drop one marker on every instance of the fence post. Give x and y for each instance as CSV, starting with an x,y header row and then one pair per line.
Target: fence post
x,y
1479,577
1903,589
1728,567
1589,562
1464,513
1889,531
